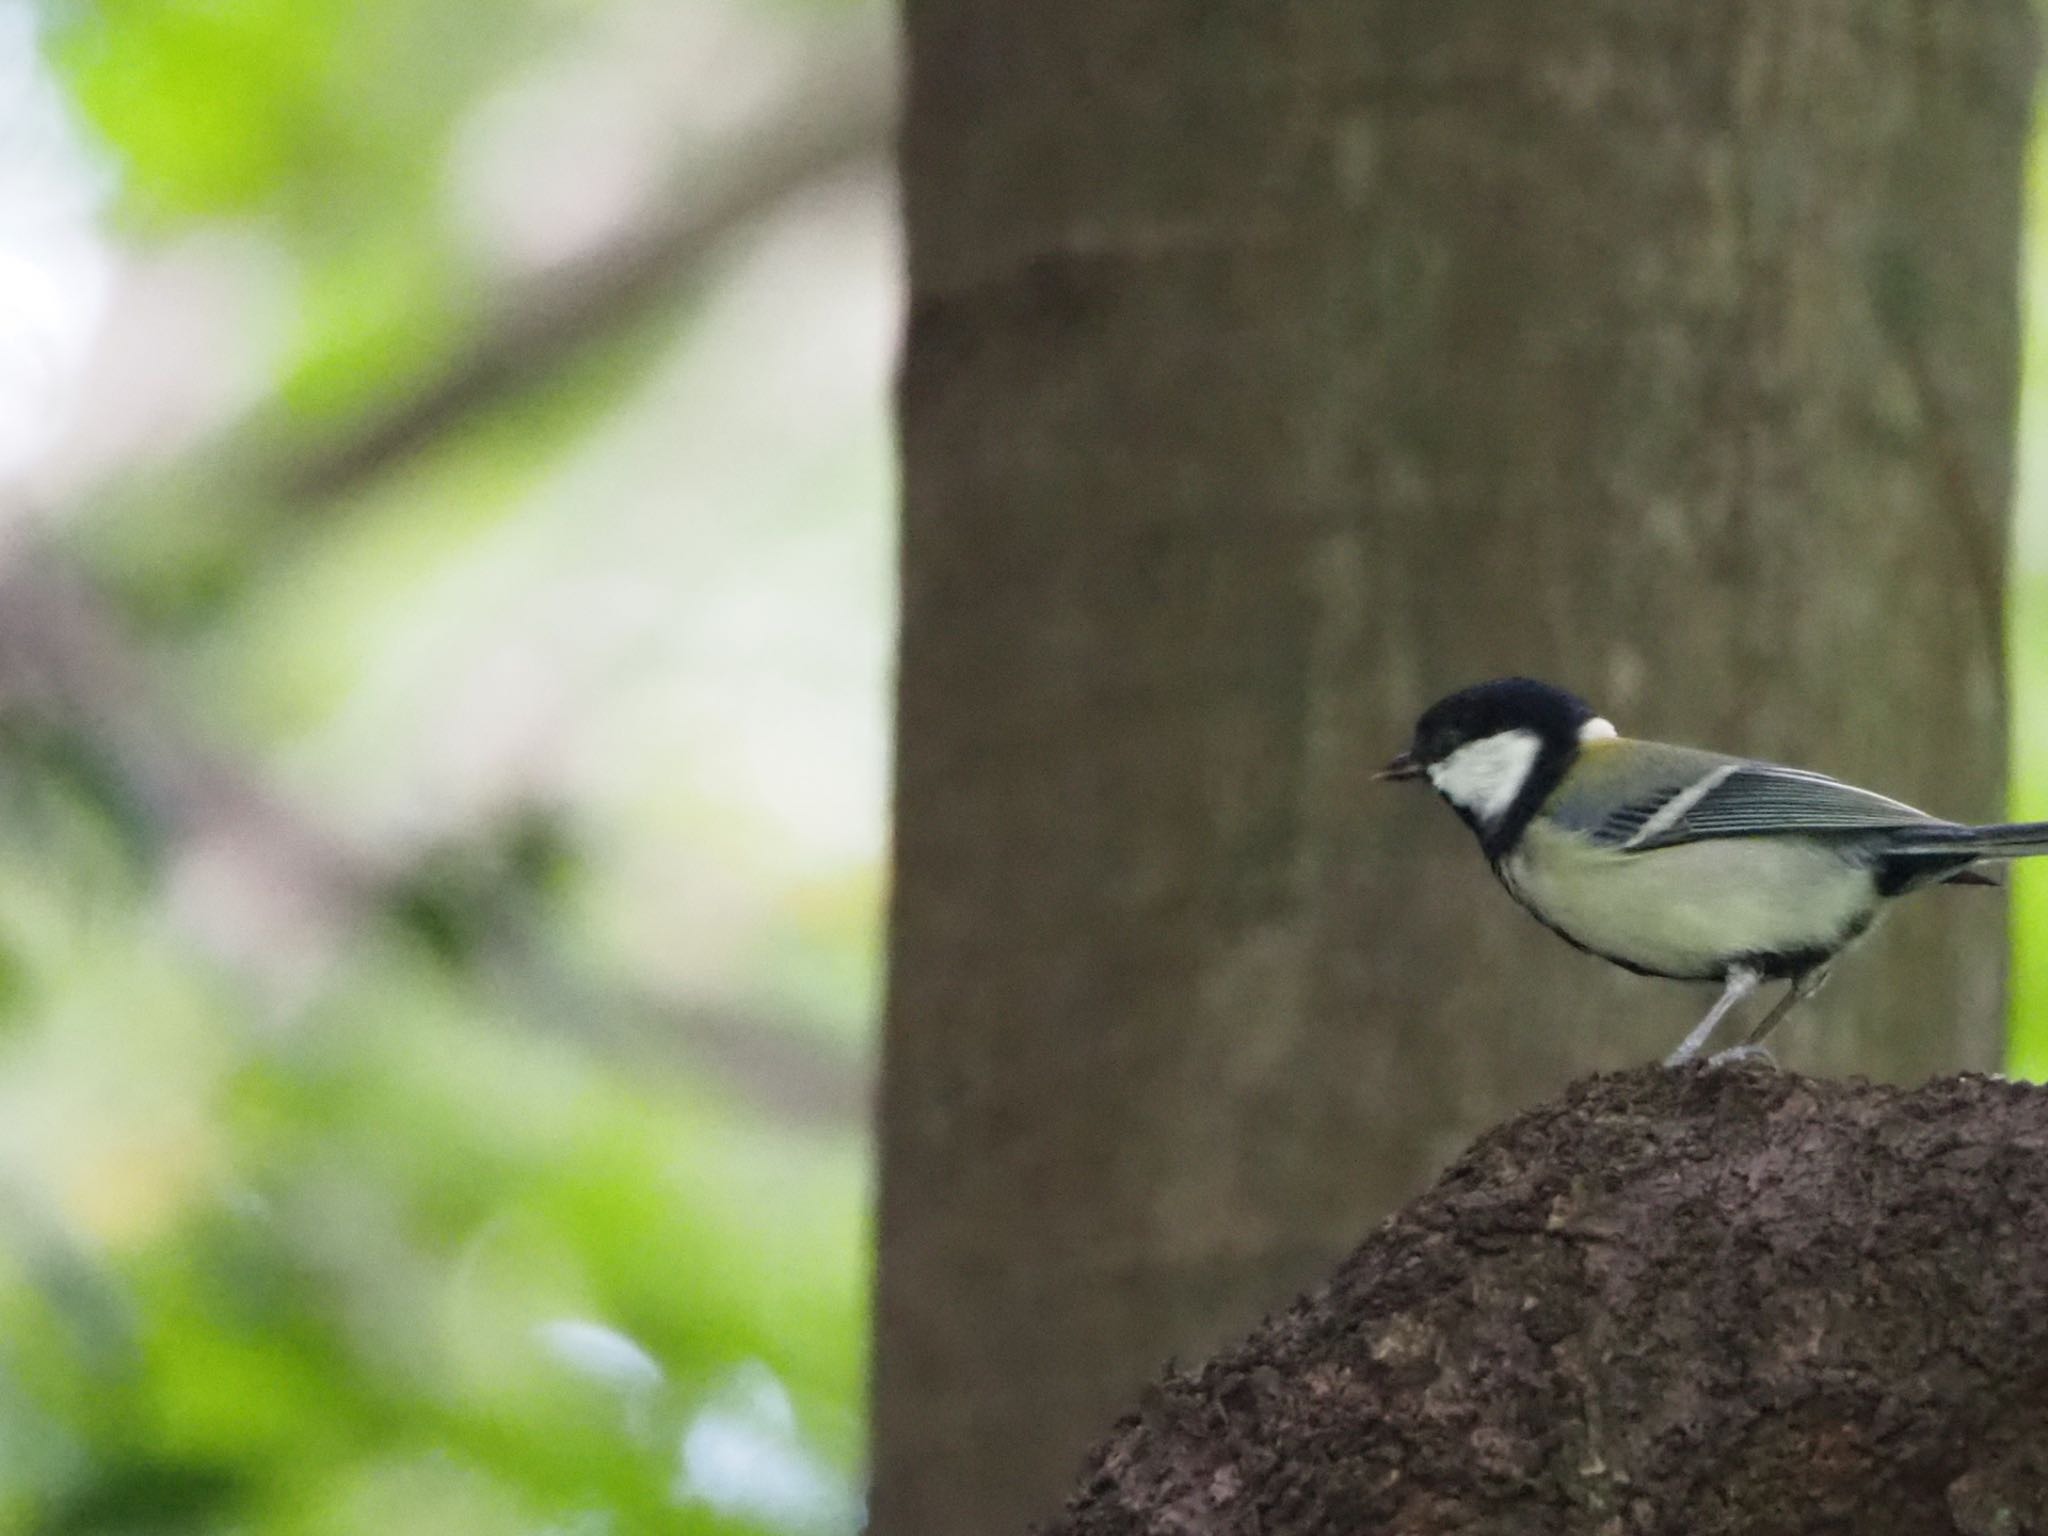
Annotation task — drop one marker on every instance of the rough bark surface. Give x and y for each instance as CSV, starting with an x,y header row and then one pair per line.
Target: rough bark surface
x,y
1271,370
1704,1303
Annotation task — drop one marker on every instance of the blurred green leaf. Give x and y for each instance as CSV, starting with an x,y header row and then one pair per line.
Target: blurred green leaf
x,y
310,1222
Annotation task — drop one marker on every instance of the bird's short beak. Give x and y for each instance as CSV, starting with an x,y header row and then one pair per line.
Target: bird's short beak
x,y
1402,767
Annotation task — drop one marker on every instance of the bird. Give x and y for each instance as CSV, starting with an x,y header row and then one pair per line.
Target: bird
x,y
1678,862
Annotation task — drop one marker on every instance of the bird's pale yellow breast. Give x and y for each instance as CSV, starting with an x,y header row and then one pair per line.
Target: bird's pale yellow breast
x,y
1687,910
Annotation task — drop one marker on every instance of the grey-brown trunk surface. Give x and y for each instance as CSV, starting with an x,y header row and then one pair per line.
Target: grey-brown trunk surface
x,y
1273,369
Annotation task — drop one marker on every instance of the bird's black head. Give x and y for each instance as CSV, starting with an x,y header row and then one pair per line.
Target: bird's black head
x,y
1496,750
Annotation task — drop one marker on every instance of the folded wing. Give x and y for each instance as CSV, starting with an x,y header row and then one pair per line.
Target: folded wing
x,y
1678,795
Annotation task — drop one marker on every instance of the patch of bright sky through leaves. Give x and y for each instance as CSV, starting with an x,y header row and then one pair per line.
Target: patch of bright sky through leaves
x,y
55,269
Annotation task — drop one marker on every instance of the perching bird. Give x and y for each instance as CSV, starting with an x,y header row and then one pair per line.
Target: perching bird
x,y
1676,862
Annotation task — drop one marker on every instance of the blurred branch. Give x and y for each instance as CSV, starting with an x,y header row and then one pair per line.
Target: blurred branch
x,y
840,113
283,896
278,898
769,1062
171,539
64,659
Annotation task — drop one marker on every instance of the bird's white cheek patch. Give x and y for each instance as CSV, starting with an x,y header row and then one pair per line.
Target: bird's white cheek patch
x,y
1484,776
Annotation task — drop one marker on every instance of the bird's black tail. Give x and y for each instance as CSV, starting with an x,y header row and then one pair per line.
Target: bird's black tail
x,y
2006,840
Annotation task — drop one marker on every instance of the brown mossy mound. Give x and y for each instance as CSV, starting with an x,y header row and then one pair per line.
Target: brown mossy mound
x,y
1706,1302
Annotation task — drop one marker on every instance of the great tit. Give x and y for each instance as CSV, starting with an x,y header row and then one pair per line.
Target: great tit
x,y
1671,861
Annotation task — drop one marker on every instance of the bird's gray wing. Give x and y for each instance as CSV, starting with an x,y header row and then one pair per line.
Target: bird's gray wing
x,y
1678,795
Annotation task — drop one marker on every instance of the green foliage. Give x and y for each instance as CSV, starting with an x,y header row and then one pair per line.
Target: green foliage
x,y
2027,648
311,111
326,119
292,1278
2028,1049
333,1196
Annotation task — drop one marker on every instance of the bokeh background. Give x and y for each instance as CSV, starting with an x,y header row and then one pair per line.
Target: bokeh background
x,y
445,603
445,583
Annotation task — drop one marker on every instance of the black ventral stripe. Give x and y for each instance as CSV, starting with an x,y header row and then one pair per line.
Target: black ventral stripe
x,y
1553,760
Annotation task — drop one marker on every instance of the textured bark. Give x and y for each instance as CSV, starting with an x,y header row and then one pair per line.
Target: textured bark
x,y
1271,370
1708,1303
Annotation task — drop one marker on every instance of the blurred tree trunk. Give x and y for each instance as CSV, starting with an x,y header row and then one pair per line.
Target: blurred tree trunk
x,y
1272,370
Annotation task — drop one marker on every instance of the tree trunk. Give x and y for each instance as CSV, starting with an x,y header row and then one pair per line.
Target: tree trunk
x,y
1273,369
1700,1303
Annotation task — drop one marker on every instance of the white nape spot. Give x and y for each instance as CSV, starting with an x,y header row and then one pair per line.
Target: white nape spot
x,y
1597,729
1483,777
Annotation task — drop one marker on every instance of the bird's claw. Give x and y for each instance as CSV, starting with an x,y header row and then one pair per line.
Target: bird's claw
x,y
1735,1055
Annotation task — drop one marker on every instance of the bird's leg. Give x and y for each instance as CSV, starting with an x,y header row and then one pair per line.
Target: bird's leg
x,y
1738,984
1804,985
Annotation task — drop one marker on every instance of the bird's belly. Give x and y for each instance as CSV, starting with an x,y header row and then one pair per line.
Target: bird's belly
x,y
1693,909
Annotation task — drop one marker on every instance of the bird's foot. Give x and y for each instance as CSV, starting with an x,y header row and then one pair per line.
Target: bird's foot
x,y
1736,1055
